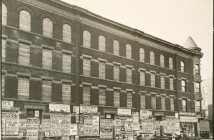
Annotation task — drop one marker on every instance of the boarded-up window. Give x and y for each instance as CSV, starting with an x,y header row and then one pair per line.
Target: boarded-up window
x,y
23,87
102,69
47,27
66,93
182,66
142,78
24,54
172,106
128,51
197,84
153,102
66,33
102,43
86,39
3,41
46,90
86,94
129,99
183,85
152,58
184,105
86,66
162,81
116,98
116,47
116,72
4,14
161,60
152,79
25,20
47,58
129,75
171,83
3,85
170,63
142,101
66,62
102,96
142,54
163,103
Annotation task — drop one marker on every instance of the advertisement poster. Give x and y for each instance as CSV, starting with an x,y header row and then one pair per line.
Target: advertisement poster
x,y
55,119
88,109
11,120
65,124
22,127
46,128
117,126
7,105
135,118
122,126
106,128
73,129
145,114
129,126
3,119
32,126
59,108
95,125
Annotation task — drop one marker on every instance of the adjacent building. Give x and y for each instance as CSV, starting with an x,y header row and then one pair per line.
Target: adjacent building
x,y
58,57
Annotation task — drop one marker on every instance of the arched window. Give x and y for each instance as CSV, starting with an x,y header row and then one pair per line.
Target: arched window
x,y
197,69
116,47
128,51
170,63
86,39
152,58
182,66
142,54
102,43
25,20
47,27
161,60
4,14
66,33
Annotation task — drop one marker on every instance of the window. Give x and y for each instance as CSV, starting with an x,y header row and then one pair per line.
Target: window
x,y
197,69
171,83
102,70
25,20
129,99
86,39
47,58
142,77
24,54
116,98
183,85
206,102
172,104
142,55
162,81
4,14
116,47
205,90
182,66
198,106
116,72
128,51
47,27
3,85
142,101
23,87
66,33
66,62
46,90
129,75
87,66
184,105
102,43
102,96
86,94
3,41
197,87
161,60
152,58
153,101
66,93
163,103
170,63
152,80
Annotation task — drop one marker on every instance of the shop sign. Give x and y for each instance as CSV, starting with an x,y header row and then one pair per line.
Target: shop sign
x,y
88,109
123,111
32,128
73,129
76,109
187,113
7,105
46,128
106,128
188,119
145,113
59,108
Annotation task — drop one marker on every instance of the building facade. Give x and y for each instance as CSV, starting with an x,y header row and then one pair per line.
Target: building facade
x,y
62,61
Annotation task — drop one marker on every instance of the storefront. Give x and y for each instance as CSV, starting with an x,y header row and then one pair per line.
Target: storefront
x,y
188,126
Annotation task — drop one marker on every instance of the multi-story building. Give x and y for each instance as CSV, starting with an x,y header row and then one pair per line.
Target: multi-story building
x,y
56,57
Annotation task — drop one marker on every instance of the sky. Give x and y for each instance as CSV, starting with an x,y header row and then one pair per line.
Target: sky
x,y
170,20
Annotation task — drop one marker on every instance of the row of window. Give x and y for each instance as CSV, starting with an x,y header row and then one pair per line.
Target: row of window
x,y
184,105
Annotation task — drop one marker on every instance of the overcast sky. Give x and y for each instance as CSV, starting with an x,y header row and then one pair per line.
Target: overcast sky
x,y
171,20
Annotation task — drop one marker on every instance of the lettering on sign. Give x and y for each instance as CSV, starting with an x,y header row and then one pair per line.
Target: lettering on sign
x,y
59,108
88,109
122,111
7,105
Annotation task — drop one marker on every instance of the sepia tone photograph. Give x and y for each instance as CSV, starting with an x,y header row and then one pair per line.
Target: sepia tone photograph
x,y
106,70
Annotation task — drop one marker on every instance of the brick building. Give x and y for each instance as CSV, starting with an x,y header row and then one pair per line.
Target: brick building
x,y
56,53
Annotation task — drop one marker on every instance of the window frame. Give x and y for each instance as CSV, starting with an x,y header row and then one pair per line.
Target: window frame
x,y
102,43
183,85
23,83
66,95
4,14
184,106
47,58
47,27
142,54
162,63
182,66
86,72
24,54
152,58
66,33
25,20
128,51
116,47
86,39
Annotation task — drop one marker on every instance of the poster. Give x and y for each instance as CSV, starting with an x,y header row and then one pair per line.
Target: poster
x,y
7,105
135,119
73,129
22,127
106,128
46,127
32,126
129,126
145,114
59,108
88,109
117,126
55,119
65,124
95,125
